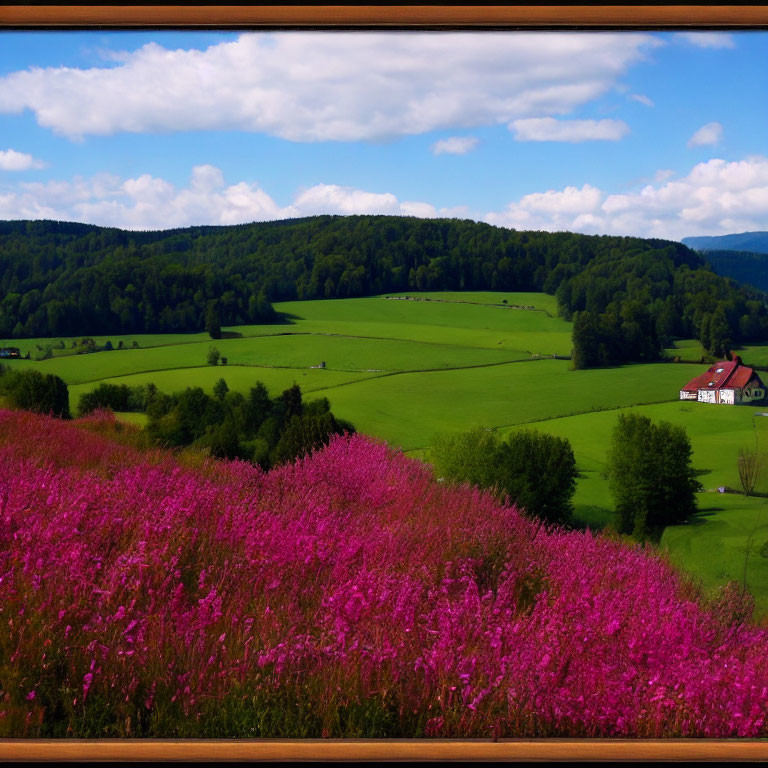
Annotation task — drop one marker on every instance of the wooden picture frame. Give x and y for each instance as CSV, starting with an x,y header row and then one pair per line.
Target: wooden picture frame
x,y
383,17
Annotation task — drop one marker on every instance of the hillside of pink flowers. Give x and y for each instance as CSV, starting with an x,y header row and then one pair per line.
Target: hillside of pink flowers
x,y
348,595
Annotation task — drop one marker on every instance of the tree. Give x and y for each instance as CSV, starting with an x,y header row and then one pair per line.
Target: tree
x,y
256,409
749,470
222,440
213,356
220,389
303,434
466,457
720,341
535,470
650,474
541,473
31,390
212,322
292,399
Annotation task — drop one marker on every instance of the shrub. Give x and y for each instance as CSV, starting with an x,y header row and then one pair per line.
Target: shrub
x,y
537,471
31,390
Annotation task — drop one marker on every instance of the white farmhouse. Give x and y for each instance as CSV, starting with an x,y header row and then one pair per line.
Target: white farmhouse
x,y
728,383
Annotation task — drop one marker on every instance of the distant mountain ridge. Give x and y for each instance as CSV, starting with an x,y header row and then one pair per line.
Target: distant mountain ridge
x,y
754,242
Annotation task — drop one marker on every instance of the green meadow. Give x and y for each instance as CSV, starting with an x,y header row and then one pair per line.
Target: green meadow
x,y
712,547
405,370
691,351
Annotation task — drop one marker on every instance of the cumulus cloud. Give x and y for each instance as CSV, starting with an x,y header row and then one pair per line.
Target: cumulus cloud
x,y
716,197
663,174
148,202
641,98
708,39
549,129
11,160
319,86
708,134
455,145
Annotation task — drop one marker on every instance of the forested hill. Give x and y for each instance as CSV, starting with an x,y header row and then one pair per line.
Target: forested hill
x,y
744,266
632,294
756,242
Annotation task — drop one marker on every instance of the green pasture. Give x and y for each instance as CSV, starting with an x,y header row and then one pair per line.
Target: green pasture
x,y
35,346
408,409
299,351
474,325
712,546
728,531
690,350
407,370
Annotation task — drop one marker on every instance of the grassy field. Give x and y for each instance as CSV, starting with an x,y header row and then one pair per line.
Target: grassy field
x,y
691,351
410,408
713,546
407,370
347,354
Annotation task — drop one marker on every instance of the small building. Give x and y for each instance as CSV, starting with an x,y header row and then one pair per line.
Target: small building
x,y
9,353
726,383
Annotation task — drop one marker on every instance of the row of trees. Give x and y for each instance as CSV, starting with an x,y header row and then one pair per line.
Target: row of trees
x,y
648,466
69,279
31,390
267,431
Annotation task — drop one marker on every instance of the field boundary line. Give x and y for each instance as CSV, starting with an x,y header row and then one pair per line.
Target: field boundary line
x,y
436,370
300,333
383,371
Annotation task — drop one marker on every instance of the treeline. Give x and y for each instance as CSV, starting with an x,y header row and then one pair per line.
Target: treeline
x,y
60,279
629,306
257,428
638,294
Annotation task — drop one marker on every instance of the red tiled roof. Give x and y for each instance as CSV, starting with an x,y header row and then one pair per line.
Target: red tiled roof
x,y
728,374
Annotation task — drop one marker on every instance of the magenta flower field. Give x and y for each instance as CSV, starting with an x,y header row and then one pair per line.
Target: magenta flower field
x,y
348,595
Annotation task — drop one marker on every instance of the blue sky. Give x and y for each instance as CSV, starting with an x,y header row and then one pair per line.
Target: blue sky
x,y
637,133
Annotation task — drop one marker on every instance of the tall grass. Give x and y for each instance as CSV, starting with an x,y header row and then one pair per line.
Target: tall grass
x,y
347,595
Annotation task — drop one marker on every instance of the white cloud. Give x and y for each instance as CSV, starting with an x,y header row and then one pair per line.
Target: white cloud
x,y
708,39
708,134
716,197
455,145
343,86
552,210
641,98
549,129
148,202
11,160
663,174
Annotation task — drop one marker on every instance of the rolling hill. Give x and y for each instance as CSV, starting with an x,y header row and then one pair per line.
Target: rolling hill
x,y
756,242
